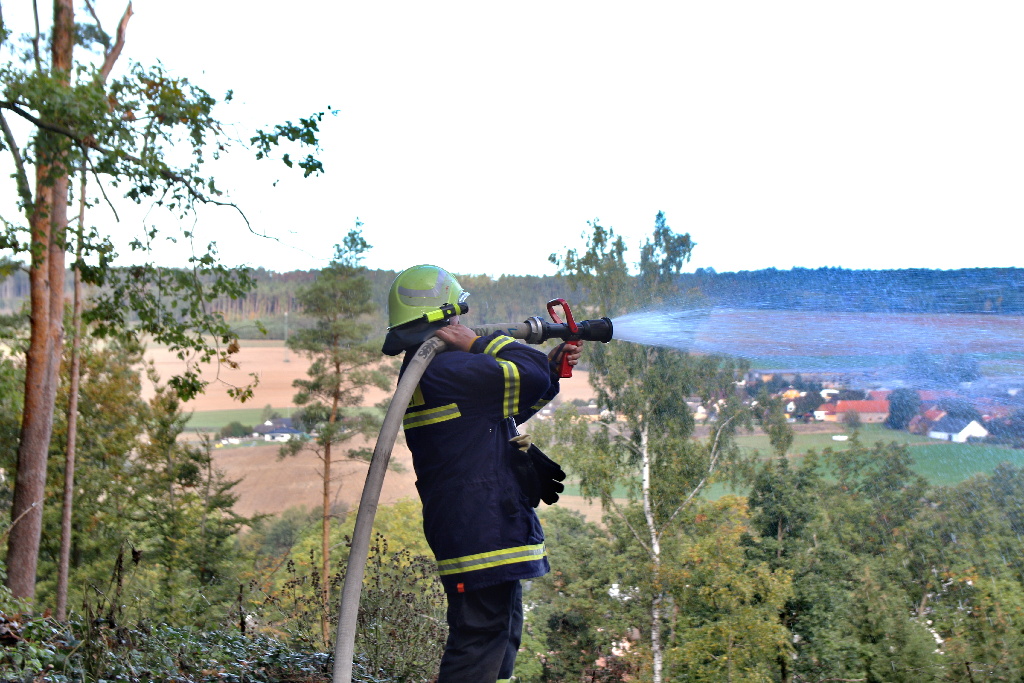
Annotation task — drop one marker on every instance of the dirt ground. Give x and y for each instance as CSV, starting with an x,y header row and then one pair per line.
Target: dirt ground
x,y
276,368
269,485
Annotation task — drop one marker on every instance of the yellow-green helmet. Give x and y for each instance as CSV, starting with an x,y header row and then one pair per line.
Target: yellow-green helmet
x,y
423,290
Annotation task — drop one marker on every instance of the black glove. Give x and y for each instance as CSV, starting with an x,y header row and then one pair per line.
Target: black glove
x,y
522,467
549,475
539,476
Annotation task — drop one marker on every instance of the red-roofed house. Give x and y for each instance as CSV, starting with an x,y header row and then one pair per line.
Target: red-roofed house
x,y
922,422
869,411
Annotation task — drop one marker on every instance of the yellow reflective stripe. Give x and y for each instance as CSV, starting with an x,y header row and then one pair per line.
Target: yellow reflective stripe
x,y
541,403
495,558
421,418
510,403
417,397
497,344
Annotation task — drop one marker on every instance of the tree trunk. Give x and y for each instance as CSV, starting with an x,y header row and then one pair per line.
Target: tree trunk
x,y
652,530
325,534
72,436
48,223
325,546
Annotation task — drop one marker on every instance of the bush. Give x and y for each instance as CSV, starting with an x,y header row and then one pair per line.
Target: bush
x,y
235,429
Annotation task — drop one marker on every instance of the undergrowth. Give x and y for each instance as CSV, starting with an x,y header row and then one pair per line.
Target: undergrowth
x,y
273,636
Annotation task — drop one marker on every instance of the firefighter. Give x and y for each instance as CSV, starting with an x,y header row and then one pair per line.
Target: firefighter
x,y
460,426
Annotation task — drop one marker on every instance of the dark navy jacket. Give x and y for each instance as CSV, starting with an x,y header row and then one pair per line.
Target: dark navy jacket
x,y
475,517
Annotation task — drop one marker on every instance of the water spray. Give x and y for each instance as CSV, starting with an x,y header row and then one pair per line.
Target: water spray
x,y
533,330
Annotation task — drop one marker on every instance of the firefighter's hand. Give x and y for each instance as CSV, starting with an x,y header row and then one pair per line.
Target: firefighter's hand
x,y
571,351
457,336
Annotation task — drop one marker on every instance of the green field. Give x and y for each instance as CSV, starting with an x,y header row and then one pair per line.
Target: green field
x,y
214,420
941,463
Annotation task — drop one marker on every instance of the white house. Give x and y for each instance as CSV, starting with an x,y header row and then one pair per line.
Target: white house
x,y
957,429
282,434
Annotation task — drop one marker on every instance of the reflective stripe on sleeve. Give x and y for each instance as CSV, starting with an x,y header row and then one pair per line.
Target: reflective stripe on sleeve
x,y
421,418
510,402
495,558
497,344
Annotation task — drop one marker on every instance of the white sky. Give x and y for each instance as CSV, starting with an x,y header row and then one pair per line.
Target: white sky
x,y
483,136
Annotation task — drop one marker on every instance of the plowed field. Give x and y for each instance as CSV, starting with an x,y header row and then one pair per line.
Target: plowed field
x,y
271,485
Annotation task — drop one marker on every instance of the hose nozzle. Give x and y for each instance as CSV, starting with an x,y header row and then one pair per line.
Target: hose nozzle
x,y
599,330
535,330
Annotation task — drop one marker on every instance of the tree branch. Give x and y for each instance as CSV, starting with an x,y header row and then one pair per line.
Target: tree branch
x,y
103,192
700,485
88,142
35,39
639,539
24,189
114,52
45,125
17,519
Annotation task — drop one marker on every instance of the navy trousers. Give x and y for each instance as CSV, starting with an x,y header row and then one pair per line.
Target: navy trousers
x,y
484,630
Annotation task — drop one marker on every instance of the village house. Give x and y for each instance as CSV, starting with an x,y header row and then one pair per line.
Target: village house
x,y
271,425
957,429
282,435
923,421
868,411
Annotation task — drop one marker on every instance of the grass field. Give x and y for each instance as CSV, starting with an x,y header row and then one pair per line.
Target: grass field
x,y
941,463
214,420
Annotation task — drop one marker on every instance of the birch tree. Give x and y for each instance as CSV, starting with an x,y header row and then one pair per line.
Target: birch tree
x,y
644,464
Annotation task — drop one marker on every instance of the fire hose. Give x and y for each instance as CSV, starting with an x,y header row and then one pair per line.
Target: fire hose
x,y
533,330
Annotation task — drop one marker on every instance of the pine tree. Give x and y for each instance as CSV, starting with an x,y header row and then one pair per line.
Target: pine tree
x,y
344,364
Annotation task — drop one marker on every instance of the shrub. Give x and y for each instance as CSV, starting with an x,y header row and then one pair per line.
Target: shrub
x,y
235,429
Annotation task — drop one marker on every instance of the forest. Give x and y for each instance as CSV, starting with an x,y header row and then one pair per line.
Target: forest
x,y
997,291
835,565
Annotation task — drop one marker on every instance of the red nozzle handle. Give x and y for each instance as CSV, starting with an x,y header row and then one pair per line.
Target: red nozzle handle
x,y
564,369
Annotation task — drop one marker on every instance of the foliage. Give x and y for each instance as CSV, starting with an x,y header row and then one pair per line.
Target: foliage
x,y
941,370
571,618
903,406
401,629
729,627
77,651
235,429
111,418
401,591
11,386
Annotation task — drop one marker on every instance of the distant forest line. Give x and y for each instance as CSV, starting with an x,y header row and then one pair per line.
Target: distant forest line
x,y
508,298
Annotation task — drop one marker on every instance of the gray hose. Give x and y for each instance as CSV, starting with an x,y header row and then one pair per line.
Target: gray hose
x,y
345,641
